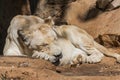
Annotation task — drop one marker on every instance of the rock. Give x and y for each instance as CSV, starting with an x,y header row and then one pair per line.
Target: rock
x,y
54,8
115,4
109,40
81,10
103,4
107,5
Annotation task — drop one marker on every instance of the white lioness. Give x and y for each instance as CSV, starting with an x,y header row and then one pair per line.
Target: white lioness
x,y
35,37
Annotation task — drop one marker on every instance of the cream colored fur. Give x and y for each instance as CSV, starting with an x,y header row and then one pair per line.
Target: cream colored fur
x,y
71,54
12,46
82,40
15,46
33,36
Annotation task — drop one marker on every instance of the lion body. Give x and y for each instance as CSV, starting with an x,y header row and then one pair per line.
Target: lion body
x,y
33,36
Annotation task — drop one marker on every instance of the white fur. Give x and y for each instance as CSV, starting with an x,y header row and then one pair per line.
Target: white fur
x,y
13,46
41,41
43,55
69,52
82,40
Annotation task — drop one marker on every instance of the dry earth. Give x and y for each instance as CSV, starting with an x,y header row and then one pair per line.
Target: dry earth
x,y
24,68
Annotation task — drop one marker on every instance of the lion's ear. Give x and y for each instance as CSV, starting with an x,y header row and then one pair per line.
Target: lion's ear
x,y
49,21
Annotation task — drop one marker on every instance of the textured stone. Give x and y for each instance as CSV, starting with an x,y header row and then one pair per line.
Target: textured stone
x,y
109,40
116,3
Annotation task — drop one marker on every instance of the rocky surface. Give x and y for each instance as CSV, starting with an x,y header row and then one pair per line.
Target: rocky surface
x,y
22,68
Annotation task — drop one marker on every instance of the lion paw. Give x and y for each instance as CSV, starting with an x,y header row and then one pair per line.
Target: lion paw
x,y
78,56
94,58
77,60
44,56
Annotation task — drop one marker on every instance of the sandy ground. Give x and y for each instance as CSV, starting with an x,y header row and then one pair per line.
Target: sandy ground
x,y
23,68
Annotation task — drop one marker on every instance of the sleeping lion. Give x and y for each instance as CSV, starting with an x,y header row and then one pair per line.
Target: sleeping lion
x,y
66,44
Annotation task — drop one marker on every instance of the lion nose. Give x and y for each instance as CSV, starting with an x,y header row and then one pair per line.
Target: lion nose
x,y
57,61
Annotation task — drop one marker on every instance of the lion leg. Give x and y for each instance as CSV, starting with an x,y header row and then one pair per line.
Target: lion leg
x,y
106,52
45,56
80,56
94,55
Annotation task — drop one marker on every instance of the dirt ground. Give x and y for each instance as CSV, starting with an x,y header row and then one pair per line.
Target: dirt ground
x,y
24,68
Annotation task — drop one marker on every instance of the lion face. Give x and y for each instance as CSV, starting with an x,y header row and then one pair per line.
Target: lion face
x,y
37,35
